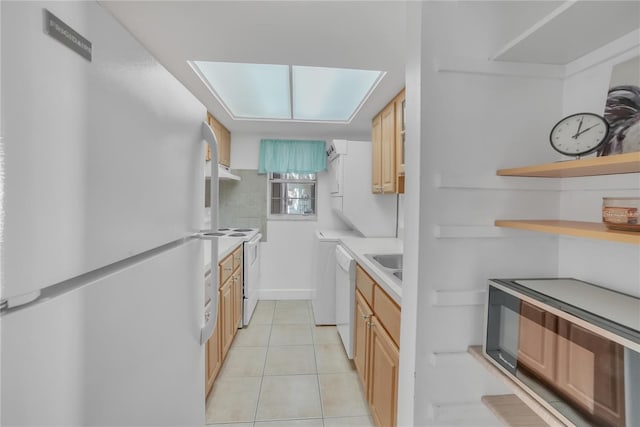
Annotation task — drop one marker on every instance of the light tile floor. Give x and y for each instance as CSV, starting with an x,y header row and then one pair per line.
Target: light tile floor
x,y
283,371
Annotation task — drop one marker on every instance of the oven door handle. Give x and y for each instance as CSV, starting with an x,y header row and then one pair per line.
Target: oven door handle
x,y
255,240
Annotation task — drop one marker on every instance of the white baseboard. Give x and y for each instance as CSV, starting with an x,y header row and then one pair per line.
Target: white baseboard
x,y
284,294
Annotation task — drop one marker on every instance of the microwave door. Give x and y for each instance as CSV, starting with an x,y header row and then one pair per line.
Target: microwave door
x,y
503,322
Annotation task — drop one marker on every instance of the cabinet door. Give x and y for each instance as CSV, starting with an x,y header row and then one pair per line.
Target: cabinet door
x,y
388,148
225,269
213,359
591,372
376,154
400,138
361,348
224,147
537,344
226,307
383,376
237,299
223,136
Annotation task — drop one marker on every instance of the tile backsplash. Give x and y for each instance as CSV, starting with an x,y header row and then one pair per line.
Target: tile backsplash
x,y
244,203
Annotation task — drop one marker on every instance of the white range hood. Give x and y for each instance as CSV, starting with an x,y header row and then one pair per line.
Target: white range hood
x,y
225,174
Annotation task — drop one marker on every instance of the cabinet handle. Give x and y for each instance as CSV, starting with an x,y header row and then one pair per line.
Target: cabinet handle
x,y
365,316
228,268
370,324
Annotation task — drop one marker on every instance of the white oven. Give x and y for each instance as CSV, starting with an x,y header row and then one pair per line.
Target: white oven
x,y
251,273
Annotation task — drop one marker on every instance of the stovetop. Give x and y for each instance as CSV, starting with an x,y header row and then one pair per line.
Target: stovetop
x,y
237,232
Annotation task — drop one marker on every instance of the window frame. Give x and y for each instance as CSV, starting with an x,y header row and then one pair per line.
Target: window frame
x,y
287,216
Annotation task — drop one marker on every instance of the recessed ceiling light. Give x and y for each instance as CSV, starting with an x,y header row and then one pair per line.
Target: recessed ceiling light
x,y
287,92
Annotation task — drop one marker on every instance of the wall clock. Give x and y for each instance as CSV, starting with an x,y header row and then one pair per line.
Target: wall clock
x,y
579,134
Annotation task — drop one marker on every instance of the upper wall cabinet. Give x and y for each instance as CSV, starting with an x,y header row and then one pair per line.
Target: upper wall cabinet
x,y
387,139
224,141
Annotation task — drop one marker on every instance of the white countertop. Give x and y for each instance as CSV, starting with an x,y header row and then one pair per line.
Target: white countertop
x,y
226,245
359,246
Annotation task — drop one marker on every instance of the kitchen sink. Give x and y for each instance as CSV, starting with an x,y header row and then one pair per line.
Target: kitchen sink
x,y
393,261
390,264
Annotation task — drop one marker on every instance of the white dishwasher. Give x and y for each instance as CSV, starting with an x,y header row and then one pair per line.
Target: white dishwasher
x,y
324,275
345,298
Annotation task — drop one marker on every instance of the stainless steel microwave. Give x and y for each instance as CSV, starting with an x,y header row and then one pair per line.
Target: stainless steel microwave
x,y
573,346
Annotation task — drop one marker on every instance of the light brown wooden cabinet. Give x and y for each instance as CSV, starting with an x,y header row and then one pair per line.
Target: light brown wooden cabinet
x,y
387,139
213,358
383,375
226,307
363,315
229,315
400,108
376,154
376,349
224,141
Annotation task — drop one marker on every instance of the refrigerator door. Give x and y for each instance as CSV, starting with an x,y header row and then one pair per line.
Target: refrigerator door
x,y
103,186
103,159
122,350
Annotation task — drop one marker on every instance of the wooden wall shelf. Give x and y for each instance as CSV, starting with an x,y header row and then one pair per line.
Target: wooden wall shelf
x,y
608,165
512,411
589,230
545,416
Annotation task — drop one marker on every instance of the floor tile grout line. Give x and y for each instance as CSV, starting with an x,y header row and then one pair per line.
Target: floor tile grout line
x,y
315,359
314,343
255,413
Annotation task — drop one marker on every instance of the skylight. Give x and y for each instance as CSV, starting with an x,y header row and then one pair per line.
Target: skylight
x,y
287,92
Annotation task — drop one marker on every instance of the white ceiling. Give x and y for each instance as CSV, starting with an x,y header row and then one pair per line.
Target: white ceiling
x,y
362,34
359,34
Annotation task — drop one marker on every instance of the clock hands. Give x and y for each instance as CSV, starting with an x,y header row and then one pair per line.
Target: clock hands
x,y
589,128
579,127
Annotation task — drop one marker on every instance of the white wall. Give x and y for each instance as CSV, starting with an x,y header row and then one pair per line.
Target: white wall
x,y
466,126
612,265
461,126
287,255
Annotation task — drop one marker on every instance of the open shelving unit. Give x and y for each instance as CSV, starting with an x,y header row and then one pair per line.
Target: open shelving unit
x,y
519,406
608,165
512,411
593,166
588,230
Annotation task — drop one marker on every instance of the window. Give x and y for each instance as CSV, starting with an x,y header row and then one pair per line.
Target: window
x,y
292,195
287,92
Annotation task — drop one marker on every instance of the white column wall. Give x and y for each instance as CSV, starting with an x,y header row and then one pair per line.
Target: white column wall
x,y
469,125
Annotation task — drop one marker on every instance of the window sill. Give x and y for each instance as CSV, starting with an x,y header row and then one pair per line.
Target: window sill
x,y
292,218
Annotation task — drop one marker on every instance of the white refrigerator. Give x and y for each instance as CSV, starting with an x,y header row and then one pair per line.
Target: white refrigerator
x,y
101,191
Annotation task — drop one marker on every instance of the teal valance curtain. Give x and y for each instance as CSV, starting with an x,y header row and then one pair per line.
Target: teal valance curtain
x,y
286,155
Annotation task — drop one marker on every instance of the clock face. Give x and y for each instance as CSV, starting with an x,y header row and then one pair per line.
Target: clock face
x,y
579,134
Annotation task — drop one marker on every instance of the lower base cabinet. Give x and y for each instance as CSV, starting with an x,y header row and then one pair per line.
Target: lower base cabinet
x,y
213,359
226,307
229,315
362,337
376,352
383,376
